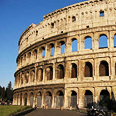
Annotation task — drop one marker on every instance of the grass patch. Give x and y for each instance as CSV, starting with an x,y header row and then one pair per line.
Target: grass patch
x,y
9,110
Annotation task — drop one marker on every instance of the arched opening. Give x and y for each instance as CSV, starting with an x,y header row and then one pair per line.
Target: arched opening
x,y
49,73
60,72
88,42
27,77
73,99
29,57
115,40
39,99
32,76
52,49
40,74
103,69
48,99
74,45
88,70
21,80
62,47
59,99
74,71
21,99
25,99
43,51
73,18
103,41
35,54
88,99
104,97
31,99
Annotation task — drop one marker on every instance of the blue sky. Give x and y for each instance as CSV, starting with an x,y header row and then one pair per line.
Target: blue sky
x,y
15,17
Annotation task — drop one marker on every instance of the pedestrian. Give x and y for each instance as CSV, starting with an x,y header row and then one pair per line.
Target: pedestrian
x,y
35,107
77,107
43,105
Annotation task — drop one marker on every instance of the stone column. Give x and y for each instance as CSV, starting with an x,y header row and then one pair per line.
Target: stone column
x,y
29,76
53,99
28,99
54,70
96,40
57,48
44,75
66,98
80,97
35,74
68,44
43,98
22,99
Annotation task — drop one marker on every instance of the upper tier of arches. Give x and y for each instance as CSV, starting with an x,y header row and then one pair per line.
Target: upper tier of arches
x,y
84,15
94,42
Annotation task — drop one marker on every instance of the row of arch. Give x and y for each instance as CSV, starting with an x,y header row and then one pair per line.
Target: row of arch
x,y
47,98
51,48
27,76
73,18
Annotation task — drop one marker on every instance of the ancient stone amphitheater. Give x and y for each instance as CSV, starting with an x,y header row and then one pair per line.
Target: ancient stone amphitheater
x,y
69,58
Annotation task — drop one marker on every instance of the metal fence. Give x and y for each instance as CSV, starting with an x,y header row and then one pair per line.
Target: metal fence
x,y
72,101
31,100
59,101
88,101
48,100
39,98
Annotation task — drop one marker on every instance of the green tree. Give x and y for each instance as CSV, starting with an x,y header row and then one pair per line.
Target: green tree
x,y
3,92
9,92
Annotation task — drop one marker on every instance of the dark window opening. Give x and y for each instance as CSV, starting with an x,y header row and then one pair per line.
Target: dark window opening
x,y
73,93
103,69
87,26
41,74
60,72
73,19
88,70
104,95
27,39
74,71
49,73
35,53
101,13
36,33
52,25
61,31
88,99
59,93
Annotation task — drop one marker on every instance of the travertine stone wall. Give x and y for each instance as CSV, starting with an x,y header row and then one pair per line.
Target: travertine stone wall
x,y
52,73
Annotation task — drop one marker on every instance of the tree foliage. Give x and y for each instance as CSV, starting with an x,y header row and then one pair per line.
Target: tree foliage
x,y
7,94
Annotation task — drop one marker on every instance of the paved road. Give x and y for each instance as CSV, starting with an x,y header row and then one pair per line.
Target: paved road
x,y
54,112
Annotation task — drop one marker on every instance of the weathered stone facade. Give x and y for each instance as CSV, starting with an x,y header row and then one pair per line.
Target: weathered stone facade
x,y
45,72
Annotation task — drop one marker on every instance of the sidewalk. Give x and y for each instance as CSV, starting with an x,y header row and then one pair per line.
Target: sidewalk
x,y
54,112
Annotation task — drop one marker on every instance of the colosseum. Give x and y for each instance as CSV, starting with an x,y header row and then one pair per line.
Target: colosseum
x,y
69,58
